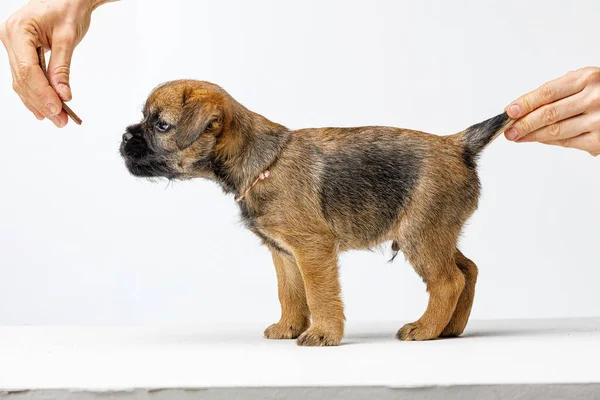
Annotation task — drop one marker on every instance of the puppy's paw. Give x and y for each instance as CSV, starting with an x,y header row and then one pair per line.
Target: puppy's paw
x,y
284,330
316,336
417,331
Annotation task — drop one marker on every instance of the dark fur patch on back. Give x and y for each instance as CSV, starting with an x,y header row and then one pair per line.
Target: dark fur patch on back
x,y
367,181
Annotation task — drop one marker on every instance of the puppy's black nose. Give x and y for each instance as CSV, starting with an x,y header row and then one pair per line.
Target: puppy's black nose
x,y
127,137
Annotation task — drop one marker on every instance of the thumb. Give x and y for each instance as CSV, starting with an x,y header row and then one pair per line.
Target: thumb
x,y
59,68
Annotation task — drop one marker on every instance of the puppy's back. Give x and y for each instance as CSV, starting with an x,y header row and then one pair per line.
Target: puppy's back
x,y
367,176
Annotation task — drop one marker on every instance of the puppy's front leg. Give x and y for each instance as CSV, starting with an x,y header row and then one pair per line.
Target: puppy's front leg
x,y
318,265
295,316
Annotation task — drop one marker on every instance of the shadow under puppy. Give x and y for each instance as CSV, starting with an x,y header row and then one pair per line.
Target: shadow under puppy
x,y
318,192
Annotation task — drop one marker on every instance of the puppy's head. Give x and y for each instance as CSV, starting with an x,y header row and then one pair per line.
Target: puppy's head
x,y
176,138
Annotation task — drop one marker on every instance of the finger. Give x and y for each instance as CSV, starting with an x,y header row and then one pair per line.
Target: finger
x,y
34,102
31,80
548,93
59,67
589,142
23,69
16,86
39,116
31,104
565,129
60,120
548,115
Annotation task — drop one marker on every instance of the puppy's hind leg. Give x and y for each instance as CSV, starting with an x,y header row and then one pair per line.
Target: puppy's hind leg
x,y
459,319
295,315
445,283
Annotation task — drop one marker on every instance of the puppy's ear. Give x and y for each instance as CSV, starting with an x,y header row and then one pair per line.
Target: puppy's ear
x,y
198,116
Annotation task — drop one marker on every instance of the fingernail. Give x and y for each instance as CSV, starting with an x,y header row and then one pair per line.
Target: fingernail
x,y
55,121
511,134
53,108
514,111
65,92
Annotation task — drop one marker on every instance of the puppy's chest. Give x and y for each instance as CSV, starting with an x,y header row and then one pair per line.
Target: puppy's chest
x,y
252,218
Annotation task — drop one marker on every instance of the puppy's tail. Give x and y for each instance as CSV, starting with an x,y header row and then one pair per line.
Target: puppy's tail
x,y
478,136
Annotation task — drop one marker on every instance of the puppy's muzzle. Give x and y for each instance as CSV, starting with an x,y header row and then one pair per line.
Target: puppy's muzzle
x,y
134,146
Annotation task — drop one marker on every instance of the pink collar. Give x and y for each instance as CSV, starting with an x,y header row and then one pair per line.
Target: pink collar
x,y
261,177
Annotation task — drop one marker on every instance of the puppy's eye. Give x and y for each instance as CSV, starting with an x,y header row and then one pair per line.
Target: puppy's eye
x,y
162,126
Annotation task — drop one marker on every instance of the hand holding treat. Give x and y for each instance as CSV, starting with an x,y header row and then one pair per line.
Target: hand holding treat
x,y
56,25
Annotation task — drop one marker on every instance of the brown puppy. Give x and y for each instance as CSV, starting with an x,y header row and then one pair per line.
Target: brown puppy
x,y
318,192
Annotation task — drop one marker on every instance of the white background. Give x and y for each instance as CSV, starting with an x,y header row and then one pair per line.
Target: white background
x,y
82,242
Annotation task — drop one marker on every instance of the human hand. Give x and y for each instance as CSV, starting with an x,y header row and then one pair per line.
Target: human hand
x,y
564,112
57,25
